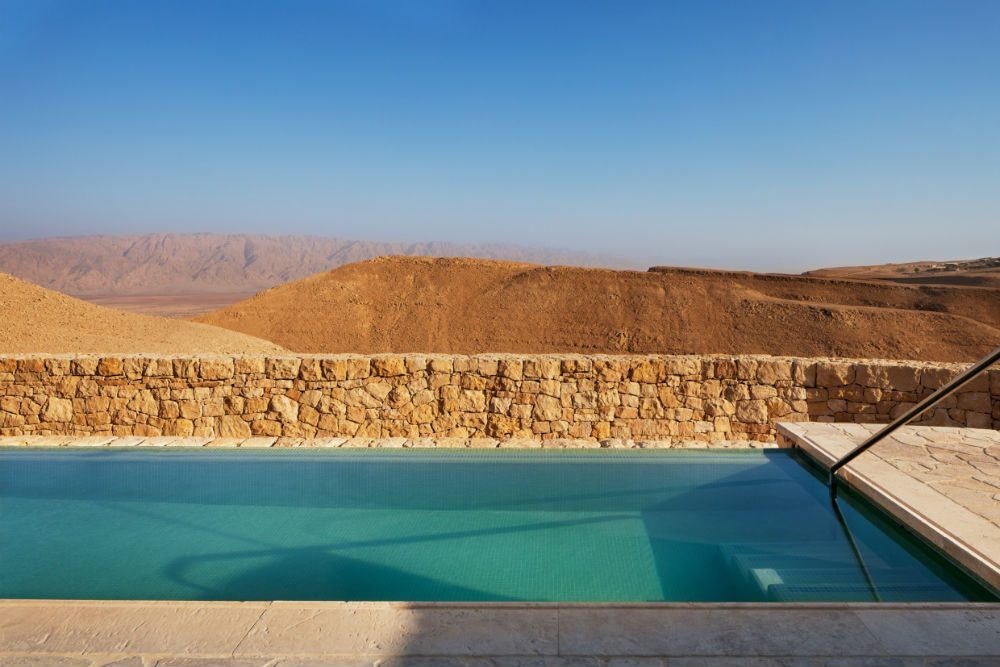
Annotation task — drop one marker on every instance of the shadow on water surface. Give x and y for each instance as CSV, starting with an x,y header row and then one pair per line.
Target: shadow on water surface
x,y
314,573
613,527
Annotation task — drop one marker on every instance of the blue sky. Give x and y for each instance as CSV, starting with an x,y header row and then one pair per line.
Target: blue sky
x,y
744,134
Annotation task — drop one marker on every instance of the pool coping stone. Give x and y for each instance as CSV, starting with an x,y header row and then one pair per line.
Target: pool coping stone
x,y
377,630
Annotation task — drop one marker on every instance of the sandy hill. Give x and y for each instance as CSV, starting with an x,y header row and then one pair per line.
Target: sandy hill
x,y
466,306
983,272
172,264
39,320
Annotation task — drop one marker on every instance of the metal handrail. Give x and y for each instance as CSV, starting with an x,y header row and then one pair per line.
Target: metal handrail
x,y
913,413
856,551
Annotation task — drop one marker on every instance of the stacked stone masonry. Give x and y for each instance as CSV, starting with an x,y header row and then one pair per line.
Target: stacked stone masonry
x,y
705,398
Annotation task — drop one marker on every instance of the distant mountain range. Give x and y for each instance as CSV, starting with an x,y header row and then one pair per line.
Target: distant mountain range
x,y
223,263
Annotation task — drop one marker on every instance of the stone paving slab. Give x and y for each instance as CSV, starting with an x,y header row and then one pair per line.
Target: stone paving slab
x,y
943,483
372,443
353,634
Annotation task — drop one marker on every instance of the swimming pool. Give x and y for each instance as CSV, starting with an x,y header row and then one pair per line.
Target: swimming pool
x,y
449,525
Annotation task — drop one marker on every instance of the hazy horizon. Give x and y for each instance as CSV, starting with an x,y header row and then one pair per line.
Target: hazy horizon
x,y
770,135
583,257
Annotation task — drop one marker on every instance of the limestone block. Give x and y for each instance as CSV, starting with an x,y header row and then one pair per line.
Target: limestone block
x,y
746,369
423,414
903,378
231,426
682,366
359,397
648,372
471,401
760,391
110,366
286,408
608,371
399,396
834,374
441,365
216,369
487,367
512,369
181,427
675,414
57,366
777,407
58,410
308,415
547,408
248,365
475,382
88,366
379,390
770,372
389,366
548,368
93,404
32,365
189,409
415,364
978,420
935,378
851,392
751,411
142,402
267,427
283,368
185,368
872,375
311,369
804,373
978,401
725,369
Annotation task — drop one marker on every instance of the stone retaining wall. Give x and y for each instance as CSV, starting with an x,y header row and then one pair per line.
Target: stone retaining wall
x,y
706,398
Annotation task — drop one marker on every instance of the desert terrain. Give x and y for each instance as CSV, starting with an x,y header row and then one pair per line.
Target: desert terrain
x,y
984,272
181,305
461,305
36,319
328,295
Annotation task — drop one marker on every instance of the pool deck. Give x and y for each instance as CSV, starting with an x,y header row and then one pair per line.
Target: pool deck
x,y
942,483
287,634
86,633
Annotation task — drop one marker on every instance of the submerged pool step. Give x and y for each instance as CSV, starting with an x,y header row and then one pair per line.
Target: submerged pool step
x,y
917,592
746,557
797,572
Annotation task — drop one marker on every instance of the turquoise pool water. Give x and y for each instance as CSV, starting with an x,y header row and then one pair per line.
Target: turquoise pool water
x,y
446,525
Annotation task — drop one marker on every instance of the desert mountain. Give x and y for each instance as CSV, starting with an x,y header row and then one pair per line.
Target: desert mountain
x,y
465,306
39,320
171,264
983,272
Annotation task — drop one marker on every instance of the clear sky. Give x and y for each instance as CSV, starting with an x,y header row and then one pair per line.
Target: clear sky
x,y
745,134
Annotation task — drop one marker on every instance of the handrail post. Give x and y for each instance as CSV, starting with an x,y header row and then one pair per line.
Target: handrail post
x,y
914,412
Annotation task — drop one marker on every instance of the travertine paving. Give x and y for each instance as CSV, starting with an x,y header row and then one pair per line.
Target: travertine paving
x,y
356,634
944,483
